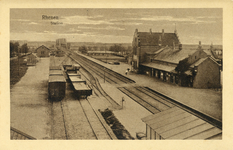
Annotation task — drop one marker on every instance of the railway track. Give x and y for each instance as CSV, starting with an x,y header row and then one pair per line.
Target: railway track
x,y
156,102
77,119
100,71
96,87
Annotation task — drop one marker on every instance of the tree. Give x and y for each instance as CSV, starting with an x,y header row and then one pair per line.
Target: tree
x,y
13,48
181,68
24,48
83,49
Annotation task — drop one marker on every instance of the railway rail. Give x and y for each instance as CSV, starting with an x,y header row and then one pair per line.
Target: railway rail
x,y
105,73
156,102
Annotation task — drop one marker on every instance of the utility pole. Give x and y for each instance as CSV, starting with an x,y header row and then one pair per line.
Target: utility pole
x,y
18,62
104,75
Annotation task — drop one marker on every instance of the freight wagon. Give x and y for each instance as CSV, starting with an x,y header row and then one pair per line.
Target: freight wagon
x,y
81,89
55,72
56,87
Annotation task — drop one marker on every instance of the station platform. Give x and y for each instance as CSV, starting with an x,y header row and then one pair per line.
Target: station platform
x,y
207,101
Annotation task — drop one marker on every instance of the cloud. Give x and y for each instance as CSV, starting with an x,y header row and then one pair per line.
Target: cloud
x,y
33,23
84,20
102,28
189,19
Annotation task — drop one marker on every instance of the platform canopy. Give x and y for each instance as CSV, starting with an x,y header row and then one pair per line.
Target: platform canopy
x,y
177,124
159,66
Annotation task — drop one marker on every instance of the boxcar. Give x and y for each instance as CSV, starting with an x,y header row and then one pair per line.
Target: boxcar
x,y
56,88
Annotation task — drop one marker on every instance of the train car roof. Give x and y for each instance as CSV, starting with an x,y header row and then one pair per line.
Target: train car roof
x,y
57,79
54,68
55,72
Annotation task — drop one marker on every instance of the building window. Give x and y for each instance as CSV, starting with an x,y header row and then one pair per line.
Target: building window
x,y
42,52
195,57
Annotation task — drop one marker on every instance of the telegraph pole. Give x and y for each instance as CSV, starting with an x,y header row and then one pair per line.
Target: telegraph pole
x,y
18,62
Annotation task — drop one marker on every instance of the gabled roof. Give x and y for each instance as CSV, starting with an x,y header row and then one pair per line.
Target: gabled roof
x,y
201,60
152,39
173,56
178,124
41,47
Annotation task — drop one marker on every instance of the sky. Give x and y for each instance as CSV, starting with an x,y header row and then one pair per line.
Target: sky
x,y
116,25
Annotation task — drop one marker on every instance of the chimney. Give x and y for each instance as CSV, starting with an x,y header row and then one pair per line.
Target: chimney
x,y
199,46
162,33
160,41
150,31
136,30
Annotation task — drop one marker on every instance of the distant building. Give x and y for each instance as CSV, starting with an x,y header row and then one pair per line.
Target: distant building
x,y
100,53
42,51
61,43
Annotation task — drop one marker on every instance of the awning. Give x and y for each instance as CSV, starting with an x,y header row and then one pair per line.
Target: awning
x,y
178,124
159,66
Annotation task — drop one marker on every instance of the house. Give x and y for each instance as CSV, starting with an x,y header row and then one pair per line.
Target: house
x,y
42,51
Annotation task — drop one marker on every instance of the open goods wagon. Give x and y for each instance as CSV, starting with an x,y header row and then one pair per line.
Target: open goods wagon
x,y
81,89
56,87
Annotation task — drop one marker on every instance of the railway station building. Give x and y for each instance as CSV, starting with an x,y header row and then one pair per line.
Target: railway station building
x,y
161,55
42,51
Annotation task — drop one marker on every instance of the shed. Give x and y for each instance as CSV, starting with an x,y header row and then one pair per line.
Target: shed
x,y
42,51
177,124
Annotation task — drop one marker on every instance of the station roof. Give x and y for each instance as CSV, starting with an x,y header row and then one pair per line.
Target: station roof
x,y
159,66
174,56
178,124
152,38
